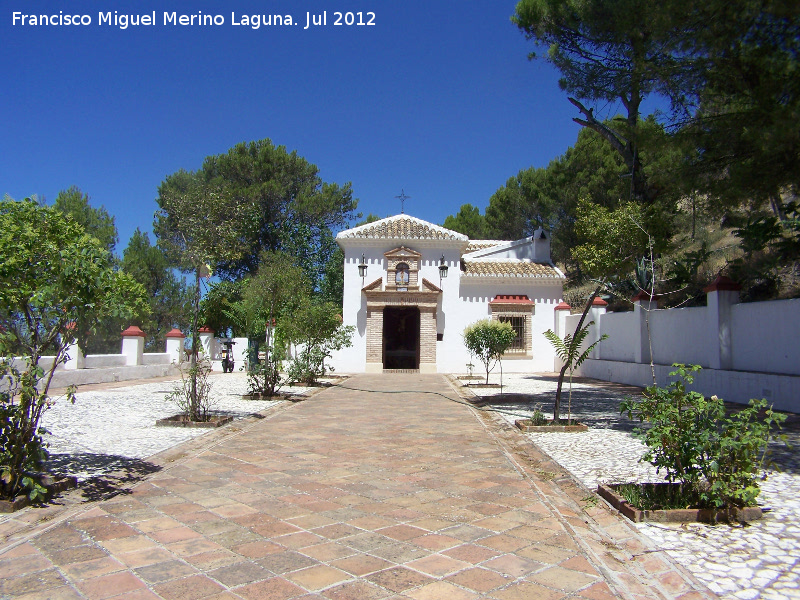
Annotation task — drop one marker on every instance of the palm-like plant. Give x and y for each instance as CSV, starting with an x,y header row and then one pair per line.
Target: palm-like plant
x,y
569,352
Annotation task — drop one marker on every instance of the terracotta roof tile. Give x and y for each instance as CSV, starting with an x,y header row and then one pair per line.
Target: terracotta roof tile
x,y
475,245
402,227
511,299
509,268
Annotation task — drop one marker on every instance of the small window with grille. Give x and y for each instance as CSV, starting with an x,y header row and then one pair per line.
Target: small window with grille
x,y
518,323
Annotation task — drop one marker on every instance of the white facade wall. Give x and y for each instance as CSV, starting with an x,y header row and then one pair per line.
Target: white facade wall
x,y
102,361
472,304
621,335
462,302
782,391
680,332
766,336
353,359
762,339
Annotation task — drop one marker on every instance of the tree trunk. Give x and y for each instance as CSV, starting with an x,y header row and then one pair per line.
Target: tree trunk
x,y
557,404
193,416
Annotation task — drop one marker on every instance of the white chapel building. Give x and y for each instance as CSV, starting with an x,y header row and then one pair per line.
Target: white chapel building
x,y
411,287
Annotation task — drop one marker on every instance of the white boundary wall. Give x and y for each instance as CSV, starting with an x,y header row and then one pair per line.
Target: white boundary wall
x,y
746,350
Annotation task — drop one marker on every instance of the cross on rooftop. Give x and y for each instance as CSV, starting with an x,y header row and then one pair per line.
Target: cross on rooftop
x,y
402,197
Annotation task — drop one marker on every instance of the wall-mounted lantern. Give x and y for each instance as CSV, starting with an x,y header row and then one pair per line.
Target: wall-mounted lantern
x,y
362,267
442,268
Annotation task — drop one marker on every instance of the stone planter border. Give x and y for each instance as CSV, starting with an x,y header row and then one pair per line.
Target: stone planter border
x,y
53,485
681,515
525,426
275,398
182,421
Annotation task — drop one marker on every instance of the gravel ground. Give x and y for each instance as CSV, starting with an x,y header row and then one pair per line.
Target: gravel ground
x,y
760,560
121,420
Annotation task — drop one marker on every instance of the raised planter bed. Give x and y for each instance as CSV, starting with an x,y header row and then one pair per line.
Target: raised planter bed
x,y
53,485
527,426
679,515
183,421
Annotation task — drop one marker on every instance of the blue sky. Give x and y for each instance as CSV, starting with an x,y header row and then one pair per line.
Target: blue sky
x,y
437,99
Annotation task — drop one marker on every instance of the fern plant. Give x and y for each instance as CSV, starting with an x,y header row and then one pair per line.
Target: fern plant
x,y
569,352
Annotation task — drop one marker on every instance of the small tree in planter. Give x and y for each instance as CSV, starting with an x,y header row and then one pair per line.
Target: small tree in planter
x,y
199,224
611,243
52,275
181,395
488,339
316,328
274,291
569,352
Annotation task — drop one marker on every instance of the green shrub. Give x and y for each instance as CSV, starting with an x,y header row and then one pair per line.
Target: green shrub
x,y
720,456
488,339
23,452
537,416
317,330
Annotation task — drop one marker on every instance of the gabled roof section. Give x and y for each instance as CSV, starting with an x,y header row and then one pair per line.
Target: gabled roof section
x,y
375,285
475,245
401,227
489,247
510,268
402,252
427,285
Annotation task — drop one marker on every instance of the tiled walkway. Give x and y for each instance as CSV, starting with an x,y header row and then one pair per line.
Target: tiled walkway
x,y
381,488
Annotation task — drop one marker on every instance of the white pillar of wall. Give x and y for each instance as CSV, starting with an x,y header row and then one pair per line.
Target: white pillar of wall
x,y
560,313
596,312
175,345
642,304
207,345
75,359
133,345
720,296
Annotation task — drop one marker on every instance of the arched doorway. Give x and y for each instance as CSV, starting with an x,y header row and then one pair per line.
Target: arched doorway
x,y
401,337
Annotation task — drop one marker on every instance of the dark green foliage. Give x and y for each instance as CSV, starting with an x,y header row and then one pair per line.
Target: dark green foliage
x,y
331,288
468,221
168,295
548,197
216,307
620,51
658,497
720,456
748,95
771,247
295,209
95,221
729,70
105,336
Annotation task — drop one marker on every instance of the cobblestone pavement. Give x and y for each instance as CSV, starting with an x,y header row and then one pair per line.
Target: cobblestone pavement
x,y
384,487
760,560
